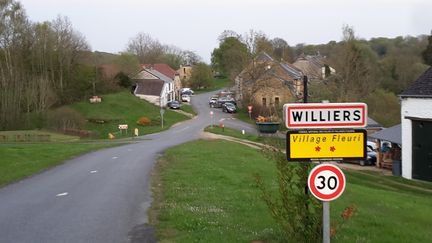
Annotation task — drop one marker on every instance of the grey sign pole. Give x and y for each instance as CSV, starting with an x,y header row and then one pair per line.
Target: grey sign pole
x,y
326,222
162,111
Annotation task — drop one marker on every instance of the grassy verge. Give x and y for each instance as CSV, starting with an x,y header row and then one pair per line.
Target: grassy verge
x,y
215,199
277,142
243,115
217,83
212,199
18,161
124,108
188,108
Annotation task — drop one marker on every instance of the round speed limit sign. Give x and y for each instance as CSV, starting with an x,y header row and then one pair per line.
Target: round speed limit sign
x,y
326,182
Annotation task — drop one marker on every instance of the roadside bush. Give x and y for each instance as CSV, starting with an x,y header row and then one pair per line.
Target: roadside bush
x,y
144,121
297,212
65,118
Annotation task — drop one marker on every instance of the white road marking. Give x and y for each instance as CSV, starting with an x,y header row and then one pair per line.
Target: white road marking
x,y
62,194
93,171
181,130
129,150
114,157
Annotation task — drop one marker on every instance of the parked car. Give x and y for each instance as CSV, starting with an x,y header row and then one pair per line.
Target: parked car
x,y
185,98
213,101
174,104
229,107
223,100
186,91
371,157
372,145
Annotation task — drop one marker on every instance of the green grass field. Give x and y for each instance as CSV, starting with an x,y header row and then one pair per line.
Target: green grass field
x,y
124,108
18,161
205,192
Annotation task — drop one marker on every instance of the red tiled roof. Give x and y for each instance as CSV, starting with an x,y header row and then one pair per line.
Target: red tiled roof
x,y
162,68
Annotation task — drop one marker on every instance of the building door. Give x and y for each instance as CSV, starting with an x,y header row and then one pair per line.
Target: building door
x,y
422,150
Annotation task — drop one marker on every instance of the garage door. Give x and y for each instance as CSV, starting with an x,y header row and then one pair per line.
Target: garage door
x,y
422,150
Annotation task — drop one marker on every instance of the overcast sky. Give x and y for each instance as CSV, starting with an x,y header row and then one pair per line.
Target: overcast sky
x,y
195,24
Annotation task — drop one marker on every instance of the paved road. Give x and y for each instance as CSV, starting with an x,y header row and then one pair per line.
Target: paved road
x,y
97,197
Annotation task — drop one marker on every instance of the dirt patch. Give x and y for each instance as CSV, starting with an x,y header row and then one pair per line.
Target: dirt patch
x,y
143,233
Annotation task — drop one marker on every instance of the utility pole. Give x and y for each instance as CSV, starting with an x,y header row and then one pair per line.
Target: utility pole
x,y
305,89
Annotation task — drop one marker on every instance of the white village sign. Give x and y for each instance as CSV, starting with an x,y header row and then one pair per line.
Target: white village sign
x,y
325,115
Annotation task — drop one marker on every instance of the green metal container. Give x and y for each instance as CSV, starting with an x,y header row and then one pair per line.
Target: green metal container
x,y
268,127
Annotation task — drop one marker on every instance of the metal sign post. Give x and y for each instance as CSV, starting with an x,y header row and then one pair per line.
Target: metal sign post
x,y
326,182
326,222
250,111
162,111
211,115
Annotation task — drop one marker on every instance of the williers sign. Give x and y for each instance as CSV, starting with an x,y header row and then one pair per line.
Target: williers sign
x,y
325,115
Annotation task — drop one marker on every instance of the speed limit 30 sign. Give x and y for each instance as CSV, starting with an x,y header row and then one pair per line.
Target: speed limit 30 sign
x,y
326,182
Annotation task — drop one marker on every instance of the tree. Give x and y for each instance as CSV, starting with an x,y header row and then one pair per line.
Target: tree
x,y
281,50
354,63
427,53
123,80
68,44
201,76
14,41
231,57
227,34
38,64
128,63
147,49
191,58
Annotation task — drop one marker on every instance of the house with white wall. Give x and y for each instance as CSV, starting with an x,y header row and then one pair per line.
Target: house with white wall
x,y
416,120
154,87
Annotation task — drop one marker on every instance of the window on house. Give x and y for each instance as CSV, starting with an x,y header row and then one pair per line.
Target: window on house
x,y
264,101
277,102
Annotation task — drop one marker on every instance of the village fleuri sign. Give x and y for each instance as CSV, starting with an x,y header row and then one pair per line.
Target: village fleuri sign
x,y
325,115
344,145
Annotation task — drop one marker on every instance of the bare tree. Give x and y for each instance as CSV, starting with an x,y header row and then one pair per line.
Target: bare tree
x,y
353,79
147,49
68,43
13,33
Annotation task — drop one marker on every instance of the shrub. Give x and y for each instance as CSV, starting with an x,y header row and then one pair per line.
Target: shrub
x,y
297,212
65,118
143,121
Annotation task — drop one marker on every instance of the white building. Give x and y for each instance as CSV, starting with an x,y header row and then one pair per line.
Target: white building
x,y
154,87
416,117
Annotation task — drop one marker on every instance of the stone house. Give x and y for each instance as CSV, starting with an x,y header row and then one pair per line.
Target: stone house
x,y
269,83
315,67
185,72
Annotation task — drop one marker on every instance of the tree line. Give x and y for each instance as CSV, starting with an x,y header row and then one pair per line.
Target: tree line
x,y
374,71
38,63
49,64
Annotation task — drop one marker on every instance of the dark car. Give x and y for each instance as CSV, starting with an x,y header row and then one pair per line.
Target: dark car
x,y
222,100
174,104
370,157
229,107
